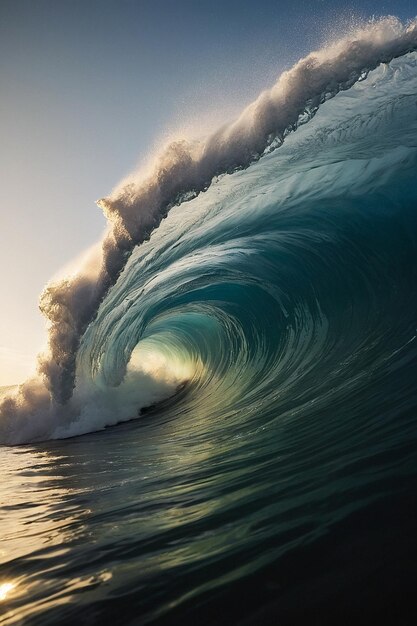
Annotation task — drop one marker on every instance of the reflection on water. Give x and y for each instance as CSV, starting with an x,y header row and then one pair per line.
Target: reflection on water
x,y
32,498
40,515
145,517
5,589
74,513
108,512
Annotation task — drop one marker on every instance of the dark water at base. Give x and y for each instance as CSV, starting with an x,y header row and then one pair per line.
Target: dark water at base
x,y
93,535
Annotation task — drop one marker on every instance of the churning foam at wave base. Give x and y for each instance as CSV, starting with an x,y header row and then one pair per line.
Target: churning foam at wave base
x,y
181,171
150,377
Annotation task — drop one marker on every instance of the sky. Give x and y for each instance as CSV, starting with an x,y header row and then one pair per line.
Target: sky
x,y
90,88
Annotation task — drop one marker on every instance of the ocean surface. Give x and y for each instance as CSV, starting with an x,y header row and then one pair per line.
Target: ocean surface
x,y
253,336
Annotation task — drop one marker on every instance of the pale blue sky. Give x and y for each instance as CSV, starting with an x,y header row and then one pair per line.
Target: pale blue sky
x,y
88,87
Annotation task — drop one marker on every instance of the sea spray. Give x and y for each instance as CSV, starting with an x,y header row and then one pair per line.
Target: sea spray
x,y
137,206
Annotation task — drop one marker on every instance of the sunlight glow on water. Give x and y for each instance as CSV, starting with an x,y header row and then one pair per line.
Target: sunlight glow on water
x,y
5,589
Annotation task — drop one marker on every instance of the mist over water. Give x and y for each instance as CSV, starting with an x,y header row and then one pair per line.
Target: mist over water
x,y
262,342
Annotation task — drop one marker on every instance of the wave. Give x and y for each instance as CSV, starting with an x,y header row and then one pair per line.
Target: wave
x,y
267,291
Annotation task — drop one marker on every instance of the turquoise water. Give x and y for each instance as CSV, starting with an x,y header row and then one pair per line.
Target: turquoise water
x,y
265,339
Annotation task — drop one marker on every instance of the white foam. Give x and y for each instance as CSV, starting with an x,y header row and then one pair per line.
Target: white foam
x,y
140,202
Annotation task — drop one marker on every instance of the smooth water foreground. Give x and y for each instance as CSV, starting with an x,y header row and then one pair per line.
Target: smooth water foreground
x,y
278,484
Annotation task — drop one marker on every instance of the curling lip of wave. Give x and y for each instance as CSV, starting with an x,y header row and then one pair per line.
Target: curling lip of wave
x,y
138,205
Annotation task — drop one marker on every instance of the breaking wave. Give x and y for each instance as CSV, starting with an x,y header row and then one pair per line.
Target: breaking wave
x,y
286,288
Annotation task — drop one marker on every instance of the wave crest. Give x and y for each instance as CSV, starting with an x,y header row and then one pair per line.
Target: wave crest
x,y
183,170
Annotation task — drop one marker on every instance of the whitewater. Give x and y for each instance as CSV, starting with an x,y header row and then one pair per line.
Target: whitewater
x,y
252,313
